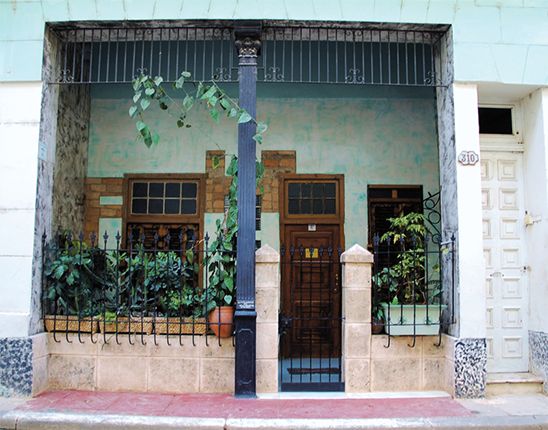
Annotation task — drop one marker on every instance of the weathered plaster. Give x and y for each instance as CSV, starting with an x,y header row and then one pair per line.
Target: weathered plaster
x,y
70,158
448,166
370,141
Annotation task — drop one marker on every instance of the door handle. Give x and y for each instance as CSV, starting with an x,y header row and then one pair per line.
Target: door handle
x,y
496,273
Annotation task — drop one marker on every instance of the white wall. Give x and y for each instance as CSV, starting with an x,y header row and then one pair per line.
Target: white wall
x,y
19,127
471,311
535,116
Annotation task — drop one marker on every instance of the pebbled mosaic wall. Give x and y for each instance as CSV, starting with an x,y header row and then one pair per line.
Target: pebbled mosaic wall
x,y
470,368
538,345
15,367
71,149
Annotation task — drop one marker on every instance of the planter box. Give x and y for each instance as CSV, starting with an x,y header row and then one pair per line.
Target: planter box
x,y
401,320
70,323
176,325
126,325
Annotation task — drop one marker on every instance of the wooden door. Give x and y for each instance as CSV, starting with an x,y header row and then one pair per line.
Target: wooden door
x,y
311,294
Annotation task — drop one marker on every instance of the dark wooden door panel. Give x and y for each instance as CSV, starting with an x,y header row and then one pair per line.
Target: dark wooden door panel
x,y
311,295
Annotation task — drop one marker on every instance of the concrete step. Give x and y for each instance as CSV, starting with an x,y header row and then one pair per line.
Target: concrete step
x,y
513,383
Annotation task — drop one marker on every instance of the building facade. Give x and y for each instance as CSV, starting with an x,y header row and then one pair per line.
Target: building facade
x,y
373,110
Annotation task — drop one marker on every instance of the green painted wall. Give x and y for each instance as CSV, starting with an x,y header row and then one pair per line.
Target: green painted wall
x,y
369,140
495,40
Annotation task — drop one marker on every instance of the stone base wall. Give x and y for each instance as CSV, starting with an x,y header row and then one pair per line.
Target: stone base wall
x,y
423,367
189,368
538,345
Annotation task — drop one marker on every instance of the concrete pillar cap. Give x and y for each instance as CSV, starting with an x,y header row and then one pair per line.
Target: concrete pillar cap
x,y
357,254
267,254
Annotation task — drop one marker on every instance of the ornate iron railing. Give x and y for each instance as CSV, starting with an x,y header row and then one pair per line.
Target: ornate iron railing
x,y
91,288
357,54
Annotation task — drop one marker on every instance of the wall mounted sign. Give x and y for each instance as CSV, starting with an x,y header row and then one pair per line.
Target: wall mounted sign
x,y
468,158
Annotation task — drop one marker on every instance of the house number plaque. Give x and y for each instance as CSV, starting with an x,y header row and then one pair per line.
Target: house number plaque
x,y
468,158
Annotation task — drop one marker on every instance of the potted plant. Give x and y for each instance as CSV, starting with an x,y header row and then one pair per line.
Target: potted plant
x,y
174,282
124,294
70,297
410,288
220,263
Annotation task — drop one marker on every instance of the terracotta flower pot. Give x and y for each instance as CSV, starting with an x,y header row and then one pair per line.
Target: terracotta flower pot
x,y
220,321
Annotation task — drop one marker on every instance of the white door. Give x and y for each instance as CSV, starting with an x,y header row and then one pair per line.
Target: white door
x,y
505,264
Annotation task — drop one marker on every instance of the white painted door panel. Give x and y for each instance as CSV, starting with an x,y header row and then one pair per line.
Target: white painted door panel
x,y
504,248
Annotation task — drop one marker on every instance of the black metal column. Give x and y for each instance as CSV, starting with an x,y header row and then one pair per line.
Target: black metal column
x,y
248,46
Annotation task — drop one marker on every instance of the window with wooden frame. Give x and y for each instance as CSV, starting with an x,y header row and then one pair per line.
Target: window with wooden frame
x,y
312,196
389,201
169,206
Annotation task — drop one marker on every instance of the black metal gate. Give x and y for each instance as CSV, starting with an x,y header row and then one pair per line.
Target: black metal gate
x,y
310,319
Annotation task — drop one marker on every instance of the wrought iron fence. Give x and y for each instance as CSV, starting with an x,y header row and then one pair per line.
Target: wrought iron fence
x,y
343,53
91,288
409,289
311,318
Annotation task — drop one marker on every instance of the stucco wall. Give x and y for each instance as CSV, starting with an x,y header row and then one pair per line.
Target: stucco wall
x,y
495,40
370,141
535,113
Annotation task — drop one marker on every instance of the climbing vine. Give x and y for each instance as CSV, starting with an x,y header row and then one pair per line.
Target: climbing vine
x,y
147,89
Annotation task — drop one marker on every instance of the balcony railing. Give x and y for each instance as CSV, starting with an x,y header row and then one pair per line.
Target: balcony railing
x,y
92,289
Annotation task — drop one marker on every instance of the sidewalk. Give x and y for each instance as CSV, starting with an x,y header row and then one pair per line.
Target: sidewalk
x,y
103,410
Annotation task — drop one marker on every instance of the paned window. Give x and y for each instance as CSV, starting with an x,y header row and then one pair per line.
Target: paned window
x,y
164,198
163,211
311,198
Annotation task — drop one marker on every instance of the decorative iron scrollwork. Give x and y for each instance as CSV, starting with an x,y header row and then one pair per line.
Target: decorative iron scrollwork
x,y
66,77
222,74
274,75
354,77
432,216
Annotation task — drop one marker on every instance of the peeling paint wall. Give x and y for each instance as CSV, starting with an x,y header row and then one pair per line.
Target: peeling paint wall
x,y
370,140
71,158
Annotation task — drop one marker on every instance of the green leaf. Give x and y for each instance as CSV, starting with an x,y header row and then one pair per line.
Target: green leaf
x,y
158,80
215,162
233,113
185,74
211,91
261,127
136,97
244,117
258,138
188,102
179,82
132,111
145,103
140,125
214,113
229,282
150,91
228,299
155,138
225,104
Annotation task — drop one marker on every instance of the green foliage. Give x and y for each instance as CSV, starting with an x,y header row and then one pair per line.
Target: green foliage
x,y
88,281
70,288
405,281
217,102
220,261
